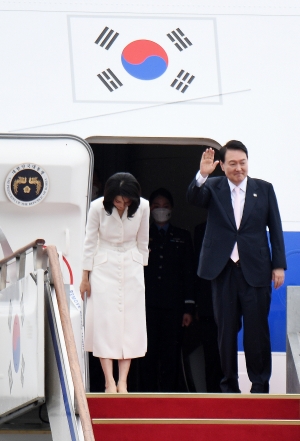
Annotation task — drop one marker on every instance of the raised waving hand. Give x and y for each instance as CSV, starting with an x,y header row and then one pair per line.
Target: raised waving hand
x,y
207,163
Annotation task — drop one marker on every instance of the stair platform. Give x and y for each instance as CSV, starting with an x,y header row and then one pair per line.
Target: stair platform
x,y
184,417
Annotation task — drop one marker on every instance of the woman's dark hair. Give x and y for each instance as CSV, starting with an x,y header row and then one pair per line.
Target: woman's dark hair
x,y
125,185
232,145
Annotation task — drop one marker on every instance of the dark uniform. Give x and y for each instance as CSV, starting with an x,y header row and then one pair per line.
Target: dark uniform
x,y
169,281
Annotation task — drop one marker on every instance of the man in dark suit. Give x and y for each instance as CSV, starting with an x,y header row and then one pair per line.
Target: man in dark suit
x,y
236,257
169,283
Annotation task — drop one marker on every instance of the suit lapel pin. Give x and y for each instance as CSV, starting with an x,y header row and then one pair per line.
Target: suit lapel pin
x,y
255,195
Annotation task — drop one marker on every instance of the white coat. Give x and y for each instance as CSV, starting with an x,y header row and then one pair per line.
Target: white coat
x,y
115,250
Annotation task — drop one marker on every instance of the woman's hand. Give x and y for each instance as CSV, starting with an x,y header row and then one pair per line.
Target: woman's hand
x,y
85,286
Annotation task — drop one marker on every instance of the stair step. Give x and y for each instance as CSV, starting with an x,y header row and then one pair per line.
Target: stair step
x,y
191,429
194,406
171,421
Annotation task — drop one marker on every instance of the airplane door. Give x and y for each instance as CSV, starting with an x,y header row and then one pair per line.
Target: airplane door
x,y
44,192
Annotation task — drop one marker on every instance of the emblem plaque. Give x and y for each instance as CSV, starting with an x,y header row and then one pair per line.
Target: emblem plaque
x,y
27,185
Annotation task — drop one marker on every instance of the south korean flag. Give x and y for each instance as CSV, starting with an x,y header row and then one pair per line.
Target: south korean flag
x,y
144,60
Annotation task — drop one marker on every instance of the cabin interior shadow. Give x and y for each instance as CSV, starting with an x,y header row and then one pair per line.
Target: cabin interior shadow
x,y
172,167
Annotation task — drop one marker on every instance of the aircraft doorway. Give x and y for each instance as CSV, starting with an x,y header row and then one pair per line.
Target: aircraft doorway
x,y
155,164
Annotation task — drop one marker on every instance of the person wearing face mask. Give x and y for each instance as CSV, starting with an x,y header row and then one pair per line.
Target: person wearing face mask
x,y
169,283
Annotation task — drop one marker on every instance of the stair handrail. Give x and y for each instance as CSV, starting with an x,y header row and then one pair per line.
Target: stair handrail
x,y
57,278
34,244
80,396
20,257
292,340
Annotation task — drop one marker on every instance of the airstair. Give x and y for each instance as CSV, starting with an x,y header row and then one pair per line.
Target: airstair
x,y
41,376
205,417
39,362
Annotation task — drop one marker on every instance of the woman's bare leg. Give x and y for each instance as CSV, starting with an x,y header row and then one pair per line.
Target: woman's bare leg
x,y
107,367
124,366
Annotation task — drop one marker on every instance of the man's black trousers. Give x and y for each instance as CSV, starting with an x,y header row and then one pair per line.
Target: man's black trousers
x,y
233,300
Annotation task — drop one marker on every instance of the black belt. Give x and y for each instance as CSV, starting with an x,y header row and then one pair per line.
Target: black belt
x,y
232,263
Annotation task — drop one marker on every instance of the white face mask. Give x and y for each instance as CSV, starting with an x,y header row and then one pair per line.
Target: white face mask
x,y
161,214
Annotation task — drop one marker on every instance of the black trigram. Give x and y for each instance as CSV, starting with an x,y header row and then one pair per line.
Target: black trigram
x,y
178,38
110,80
182,81
106,39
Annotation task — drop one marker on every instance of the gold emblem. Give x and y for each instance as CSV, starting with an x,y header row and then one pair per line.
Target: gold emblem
x,y
17,182
27,184
38,184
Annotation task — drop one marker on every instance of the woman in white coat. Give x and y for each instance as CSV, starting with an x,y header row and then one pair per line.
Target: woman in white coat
x,y
115,251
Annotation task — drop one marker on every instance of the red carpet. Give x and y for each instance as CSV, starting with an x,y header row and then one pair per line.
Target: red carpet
x,y
205,417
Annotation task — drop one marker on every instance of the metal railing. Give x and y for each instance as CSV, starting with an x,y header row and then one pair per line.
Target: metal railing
x,y
81,401
47,259
20,257
293,340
